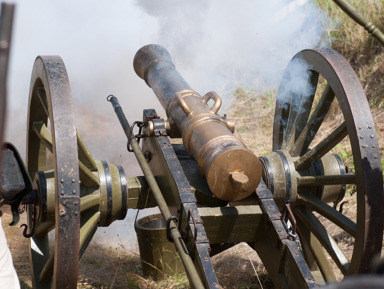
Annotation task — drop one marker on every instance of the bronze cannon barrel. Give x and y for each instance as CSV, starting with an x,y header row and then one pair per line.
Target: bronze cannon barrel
x,y
232,171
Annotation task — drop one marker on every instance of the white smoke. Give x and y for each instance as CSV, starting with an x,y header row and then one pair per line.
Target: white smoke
x,y
222,45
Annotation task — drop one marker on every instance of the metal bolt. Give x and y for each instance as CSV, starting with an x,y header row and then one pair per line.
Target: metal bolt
x,y
73,191
215,285
62,192
364,146
51,75
361,137
62,181
370,126
372,136
76,213
205,258
373,146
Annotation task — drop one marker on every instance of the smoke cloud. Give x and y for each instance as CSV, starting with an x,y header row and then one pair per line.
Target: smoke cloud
x,y
223,45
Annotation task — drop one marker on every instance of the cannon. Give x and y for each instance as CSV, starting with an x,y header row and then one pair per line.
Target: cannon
x,y
303,178
211,190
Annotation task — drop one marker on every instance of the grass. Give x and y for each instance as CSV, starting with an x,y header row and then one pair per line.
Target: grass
x,y
364,52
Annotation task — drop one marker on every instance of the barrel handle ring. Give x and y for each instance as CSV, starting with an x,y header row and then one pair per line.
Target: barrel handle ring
x,y
215,97
183,104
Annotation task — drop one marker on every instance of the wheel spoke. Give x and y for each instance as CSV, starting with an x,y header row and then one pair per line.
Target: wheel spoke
x,y
311,243
85,155
47,272
44,134
40,256
289,131
87,177
89,201
300,110
43,229
308,181
322,148
87,231
325,239
329,213
43,99
309,131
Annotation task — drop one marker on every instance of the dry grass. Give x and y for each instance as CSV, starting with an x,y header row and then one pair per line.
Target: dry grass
x,y
365,53
253,113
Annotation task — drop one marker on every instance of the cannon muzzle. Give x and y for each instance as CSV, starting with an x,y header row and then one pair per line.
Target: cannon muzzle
x,y
232,171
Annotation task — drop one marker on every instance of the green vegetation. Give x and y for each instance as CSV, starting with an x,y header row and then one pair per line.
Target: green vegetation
x,y
364,52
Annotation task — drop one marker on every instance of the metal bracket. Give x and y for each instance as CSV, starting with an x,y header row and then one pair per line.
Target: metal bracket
x,y
138,136
168,227
159,127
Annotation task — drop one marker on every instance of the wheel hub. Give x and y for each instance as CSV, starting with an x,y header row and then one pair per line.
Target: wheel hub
x,y
284,181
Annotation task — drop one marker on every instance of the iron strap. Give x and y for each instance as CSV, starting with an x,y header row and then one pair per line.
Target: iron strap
x,y
275,218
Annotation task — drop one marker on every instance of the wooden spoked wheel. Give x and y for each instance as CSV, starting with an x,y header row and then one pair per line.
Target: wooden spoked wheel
x,y
319,85
65,214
